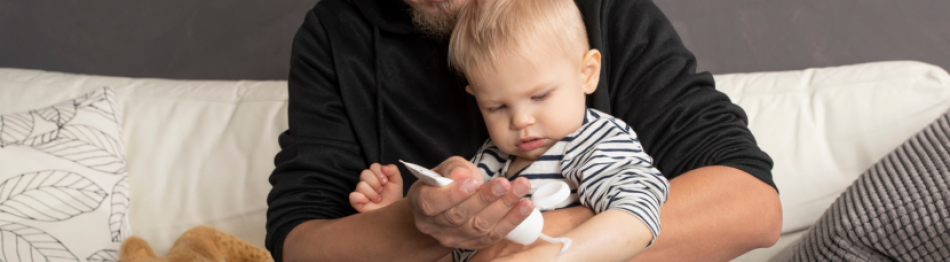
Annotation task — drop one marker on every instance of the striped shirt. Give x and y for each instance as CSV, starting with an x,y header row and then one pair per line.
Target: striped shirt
x,y
602,162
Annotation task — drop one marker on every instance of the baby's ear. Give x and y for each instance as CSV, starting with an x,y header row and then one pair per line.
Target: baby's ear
x,y
590,70
134,248
468,89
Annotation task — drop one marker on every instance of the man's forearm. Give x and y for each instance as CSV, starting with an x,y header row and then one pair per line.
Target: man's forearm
x,y
712,214
385,234
715,213
613,235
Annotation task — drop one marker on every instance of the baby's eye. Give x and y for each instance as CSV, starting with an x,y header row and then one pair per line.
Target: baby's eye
x,y
541,97
496,108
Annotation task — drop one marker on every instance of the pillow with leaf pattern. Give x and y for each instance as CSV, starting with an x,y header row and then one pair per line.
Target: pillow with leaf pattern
x,y
64,190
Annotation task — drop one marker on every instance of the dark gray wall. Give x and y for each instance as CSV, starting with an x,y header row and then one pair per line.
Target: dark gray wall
x,y
753,35
187,39
250,39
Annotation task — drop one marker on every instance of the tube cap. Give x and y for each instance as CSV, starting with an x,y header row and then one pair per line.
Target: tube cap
x,y
529,229
548,196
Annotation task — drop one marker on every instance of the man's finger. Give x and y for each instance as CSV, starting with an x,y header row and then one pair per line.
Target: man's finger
x,y
514,217
486,195
457,168
511,220
487,218
436,200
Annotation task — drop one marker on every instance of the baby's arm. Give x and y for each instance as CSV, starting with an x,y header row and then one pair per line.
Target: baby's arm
x,y
613,235
379,186
619,183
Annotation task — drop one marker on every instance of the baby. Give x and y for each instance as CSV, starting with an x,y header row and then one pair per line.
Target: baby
x,y
530,68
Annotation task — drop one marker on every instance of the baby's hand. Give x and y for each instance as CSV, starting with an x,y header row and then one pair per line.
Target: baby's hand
x,y
379,186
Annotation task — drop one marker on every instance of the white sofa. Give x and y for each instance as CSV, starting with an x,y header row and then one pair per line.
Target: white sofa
x,y
200,152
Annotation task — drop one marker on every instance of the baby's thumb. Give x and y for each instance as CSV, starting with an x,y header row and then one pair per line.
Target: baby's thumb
x,y
392,172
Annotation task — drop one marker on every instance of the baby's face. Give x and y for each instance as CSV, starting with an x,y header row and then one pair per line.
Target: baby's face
x,y
531,102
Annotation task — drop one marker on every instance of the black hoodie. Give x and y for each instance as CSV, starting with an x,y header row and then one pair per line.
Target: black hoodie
x,y
365,88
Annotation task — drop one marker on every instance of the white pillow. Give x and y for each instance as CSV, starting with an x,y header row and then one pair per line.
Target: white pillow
x,y
825,126
64,192
199,152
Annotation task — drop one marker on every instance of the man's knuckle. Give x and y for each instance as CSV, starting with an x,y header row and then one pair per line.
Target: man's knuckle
x,y
481,226
511,201
426,208
487,197
494,236
454,217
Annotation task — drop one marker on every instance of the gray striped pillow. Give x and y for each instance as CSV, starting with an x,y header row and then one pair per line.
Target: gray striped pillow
x,y
895,211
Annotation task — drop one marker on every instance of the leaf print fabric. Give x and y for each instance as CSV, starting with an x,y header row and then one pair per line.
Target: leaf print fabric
x,y
120,207
59,164
105,255
24,243
53,195
87,146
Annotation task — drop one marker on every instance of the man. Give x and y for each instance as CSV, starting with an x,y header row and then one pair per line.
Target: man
x,y
369,83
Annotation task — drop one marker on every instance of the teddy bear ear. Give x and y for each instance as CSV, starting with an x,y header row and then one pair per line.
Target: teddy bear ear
x,y
133,248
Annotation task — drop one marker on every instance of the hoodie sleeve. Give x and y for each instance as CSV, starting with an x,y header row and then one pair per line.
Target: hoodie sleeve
x,y
651,83
320,157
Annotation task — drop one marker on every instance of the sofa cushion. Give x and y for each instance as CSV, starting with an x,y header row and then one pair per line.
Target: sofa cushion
x,y
897,210
823,127
199,152
64,192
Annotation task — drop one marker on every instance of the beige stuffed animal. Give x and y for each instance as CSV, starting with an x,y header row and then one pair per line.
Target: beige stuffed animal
x,y
199,244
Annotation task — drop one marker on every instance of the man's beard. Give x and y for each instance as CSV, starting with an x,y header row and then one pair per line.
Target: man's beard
x,y
438,23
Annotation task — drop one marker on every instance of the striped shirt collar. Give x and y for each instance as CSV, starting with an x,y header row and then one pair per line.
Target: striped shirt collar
x,y
556,152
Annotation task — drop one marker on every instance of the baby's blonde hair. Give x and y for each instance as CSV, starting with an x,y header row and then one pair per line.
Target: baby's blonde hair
x,y
487,30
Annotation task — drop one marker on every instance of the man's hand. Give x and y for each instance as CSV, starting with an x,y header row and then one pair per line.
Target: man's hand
x,y
468,214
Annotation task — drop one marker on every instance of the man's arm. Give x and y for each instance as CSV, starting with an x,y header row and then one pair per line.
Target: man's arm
x,y
713,213
716,213
388,233
465,214
722,191
320,156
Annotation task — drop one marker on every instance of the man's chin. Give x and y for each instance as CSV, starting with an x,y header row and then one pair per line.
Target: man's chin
x,y
436,20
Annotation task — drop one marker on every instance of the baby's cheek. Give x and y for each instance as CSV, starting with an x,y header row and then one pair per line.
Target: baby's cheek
x,y
565,124
496,127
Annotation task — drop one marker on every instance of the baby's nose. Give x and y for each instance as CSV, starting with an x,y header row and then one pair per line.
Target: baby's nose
x,y
522,120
